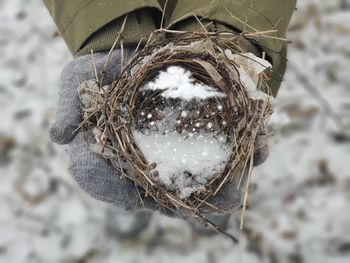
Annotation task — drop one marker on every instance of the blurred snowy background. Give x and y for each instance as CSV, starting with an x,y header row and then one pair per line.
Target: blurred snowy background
x,y
300,211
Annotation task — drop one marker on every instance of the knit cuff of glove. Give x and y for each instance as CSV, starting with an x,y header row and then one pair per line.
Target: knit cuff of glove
x,y
138,27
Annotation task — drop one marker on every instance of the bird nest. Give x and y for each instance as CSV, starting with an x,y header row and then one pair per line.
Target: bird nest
x,y
113,112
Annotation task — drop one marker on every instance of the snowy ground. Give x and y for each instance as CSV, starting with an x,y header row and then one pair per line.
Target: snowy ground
x,y
300,211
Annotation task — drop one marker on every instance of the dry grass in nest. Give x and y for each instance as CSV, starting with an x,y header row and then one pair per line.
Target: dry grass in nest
x,y
118,109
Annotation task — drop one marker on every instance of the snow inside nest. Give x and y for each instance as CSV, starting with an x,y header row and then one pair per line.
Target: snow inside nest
x,y
176,82
184,163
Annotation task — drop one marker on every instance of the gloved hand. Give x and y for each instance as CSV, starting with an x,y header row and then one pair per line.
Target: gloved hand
x,y
92,172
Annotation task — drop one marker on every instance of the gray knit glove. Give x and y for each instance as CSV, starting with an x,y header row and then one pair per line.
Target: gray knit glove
x,y
93,174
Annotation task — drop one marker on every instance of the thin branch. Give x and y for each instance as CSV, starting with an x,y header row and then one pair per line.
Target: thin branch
x,y
113,47
327,107
94,66
163,13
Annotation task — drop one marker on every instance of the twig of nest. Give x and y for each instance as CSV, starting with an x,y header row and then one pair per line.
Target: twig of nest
x,y
111,112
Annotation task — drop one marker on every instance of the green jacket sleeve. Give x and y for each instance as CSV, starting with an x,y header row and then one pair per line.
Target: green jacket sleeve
x,y
94,24
77,20
249,16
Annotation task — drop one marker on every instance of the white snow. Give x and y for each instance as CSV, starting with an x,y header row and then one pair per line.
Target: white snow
x,y
202,155
185,160
176,82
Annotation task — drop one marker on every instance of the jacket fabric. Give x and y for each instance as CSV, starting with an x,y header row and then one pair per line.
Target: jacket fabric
x,y
95,24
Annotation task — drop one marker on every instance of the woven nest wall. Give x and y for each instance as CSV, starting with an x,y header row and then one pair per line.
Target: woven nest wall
x,y
119,108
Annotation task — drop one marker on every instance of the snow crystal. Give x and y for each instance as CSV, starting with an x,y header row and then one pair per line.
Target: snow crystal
x,y
184,162
176,82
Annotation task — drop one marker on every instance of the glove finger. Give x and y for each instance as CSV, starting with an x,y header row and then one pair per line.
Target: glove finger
x,y
101,181
97,178
230,196
68,115
262,151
